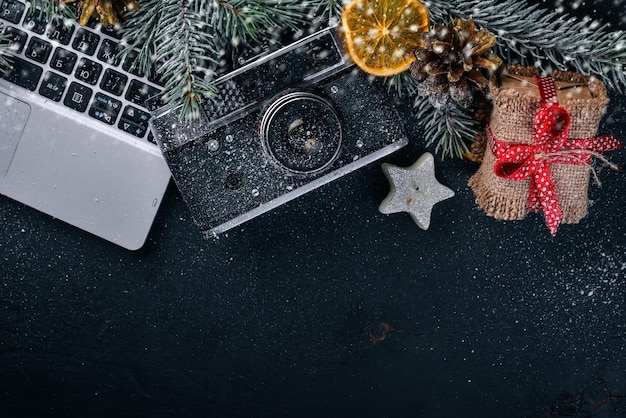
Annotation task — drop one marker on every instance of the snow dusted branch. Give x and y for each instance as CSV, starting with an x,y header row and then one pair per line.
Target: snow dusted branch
x,y
529,34
185,41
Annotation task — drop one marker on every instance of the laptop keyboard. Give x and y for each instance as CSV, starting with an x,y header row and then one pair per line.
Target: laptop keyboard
x,y
78,67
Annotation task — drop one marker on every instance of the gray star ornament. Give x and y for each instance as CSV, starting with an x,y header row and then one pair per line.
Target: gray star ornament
x,y
414,190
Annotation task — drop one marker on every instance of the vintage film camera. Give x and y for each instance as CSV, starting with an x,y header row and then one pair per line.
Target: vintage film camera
x,y
280,126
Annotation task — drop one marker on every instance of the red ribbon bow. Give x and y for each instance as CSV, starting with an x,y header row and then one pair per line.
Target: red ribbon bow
x,y
551,126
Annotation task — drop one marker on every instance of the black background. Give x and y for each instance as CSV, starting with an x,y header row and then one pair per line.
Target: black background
x,y
489,318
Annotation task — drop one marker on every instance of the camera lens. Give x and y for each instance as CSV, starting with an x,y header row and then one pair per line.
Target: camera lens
x,y
301,132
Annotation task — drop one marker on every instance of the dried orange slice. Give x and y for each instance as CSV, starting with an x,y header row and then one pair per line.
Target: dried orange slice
x,y
381,34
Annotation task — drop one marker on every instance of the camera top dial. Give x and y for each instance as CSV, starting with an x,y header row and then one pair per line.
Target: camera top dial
x,y
301,132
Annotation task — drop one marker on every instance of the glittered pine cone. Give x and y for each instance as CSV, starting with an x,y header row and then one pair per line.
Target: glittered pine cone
x,y
454,63
109,12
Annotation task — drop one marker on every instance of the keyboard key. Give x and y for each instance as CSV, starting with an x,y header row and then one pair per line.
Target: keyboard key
x,y
102,115
85,41
63,60
105,108
138,92
60,31
93,23
156,78
23,73
113,82
154,102
108,103
109,51
53,86
113,31
38,50
129,60
12,10
88,71
35,21
77,97
17,39
137,116
131,128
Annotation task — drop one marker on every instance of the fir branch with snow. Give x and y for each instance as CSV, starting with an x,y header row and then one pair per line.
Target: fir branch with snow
x,y
186,41
449,130
531,35
183,55
5,58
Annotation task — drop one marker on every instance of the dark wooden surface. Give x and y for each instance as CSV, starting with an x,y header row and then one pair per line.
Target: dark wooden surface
x,y
488,318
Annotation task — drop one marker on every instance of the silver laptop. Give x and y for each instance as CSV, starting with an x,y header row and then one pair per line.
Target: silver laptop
x,y
74,140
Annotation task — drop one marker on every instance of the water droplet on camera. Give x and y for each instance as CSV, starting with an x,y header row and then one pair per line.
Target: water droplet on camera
x,y
213,145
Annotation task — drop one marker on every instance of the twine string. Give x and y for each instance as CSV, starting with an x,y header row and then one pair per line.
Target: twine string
x,y
572,154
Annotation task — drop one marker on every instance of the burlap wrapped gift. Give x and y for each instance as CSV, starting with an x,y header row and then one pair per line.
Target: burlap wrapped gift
x,y
516,100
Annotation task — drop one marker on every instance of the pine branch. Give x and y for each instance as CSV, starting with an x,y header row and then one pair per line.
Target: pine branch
x,y
245,21
184,40
184,53
240,27
54,8
141,35
544,38
175,41
449,129
326,12
403,84
5,57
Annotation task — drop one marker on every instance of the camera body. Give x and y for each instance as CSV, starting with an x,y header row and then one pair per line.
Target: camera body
x,y
279,127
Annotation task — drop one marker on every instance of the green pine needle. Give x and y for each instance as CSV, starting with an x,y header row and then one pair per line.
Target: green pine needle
x,y
142,34
184,54
5,58
450,130
54,8
403,84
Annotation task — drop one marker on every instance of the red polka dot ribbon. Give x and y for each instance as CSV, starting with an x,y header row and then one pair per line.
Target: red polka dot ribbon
x,y
520,162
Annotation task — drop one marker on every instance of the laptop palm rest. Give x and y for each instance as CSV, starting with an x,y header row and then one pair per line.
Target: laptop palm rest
x,y
13,117
82,174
